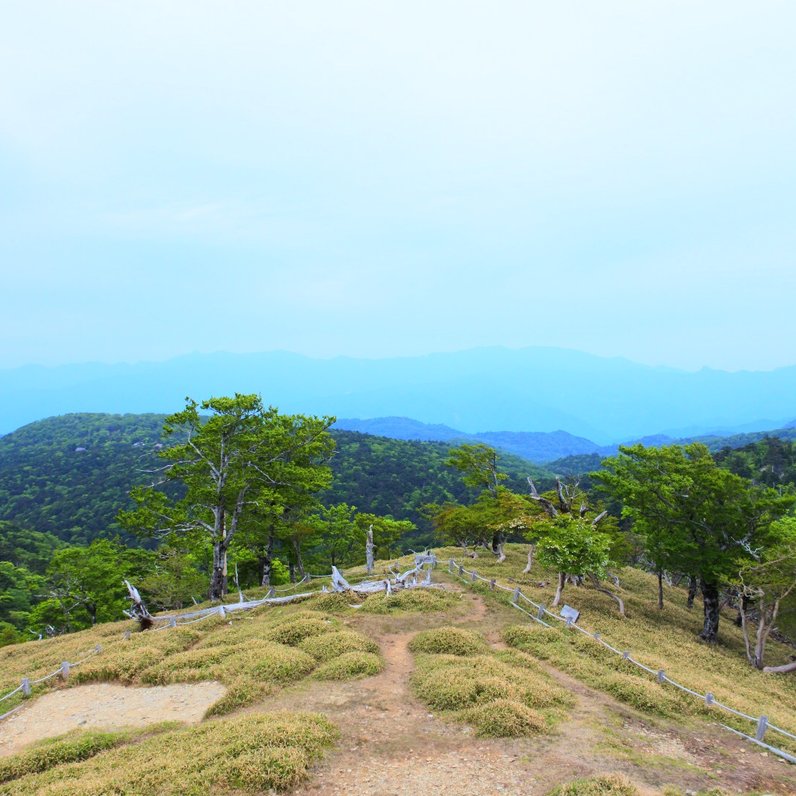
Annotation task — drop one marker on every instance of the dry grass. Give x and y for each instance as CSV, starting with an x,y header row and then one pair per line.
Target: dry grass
x,y
659,639
243,755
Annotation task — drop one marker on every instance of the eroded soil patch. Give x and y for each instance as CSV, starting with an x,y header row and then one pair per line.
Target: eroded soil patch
x,y
105,706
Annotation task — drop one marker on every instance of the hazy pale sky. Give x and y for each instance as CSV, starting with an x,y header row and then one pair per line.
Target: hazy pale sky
x,y
379,178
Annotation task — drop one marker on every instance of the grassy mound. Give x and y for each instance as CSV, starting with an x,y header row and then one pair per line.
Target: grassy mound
x,y
448,641
411,601
349,665
295,631
500,693
245,755
601,785
505,718
331,645
330,602
57,751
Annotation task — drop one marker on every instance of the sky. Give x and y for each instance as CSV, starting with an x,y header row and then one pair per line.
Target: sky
x,y
375,178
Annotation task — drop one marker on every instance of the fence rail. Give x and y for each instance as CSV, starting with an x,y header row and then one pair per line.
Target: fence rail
x,y
62,671
541,612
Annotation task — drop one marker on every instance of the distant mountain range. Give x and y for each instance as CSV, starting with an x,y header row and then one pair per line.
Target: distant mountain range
x,y
532,389
549,448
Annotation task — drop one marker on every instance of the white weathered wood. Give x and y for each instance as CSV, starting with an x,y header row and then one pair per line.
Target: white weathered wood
x,y
369,550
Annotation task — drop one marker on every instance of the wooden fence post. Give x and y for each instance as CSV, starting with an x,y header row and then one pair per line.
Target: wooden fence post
x,y
515,596
473,576
492,584
540,612
172,621
762,725
64,670
26,686
708,698
661,676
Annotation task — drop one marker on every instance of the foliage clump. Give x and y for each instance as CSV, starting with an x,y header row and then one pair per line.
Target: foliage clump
x,y
247,754
350,665
448,641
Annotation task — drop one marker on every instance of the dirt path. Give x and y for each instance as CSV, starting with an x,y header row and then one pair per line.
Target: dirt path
x,y
105,706
392,745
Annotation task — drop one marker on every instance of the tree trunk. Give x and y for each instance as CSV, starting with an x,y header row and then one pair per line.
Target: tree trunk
x,y
710,598
692,590
297,554
501,554
660,590
531,551
495,542
267,562
559,588
291,568
788,667
615,597
218,578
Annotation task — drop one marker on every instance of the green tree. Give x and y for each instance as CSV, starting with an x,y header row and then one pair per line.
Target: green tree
x,y
173,580
339,539
87,582
696,517
233,462
765,579
573,547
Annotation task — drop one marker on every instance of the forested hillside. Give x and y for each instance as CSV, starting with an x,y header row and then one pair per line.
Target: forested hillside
x,y
70,475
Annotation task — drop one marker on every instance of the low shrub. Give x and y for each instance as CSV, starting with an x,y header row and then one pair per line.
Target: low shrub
x,y
350,664
448,640
505,718
411,601
330,645
295,631
601,785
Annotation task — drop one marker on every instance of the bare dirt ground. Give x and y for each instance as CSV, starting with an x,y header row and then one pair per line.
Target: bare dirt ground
x,y
393,745
105,706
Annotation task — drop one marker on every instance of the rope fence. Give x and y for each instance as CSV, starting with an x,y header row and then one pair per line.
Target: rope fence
x,y
541,613
26,686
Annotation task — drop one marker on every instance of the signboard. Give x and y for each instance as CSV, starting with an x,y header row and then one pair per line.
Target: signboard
x,y
570,614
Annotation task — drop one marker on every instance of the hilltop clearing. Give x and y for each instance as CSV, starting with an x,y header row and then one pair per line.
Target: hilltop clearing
x,y
449,689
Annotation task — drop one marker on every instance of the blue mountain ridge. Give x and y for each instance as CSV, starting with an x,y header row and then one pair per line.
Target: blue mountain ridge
x,y
599,399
